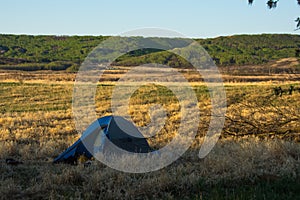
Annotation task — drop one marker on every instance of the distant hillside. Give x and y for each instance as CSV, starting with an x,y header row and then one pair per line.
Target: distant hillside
x,y
45,52
25,52
251,49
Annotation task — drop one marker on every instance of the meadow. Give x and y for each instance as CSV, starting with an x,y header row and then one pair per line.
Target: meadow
x,y
257,156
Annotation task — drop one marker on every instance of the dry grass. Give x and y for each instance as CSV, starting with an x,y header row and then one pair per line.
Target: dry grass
x,y
248,160
36,124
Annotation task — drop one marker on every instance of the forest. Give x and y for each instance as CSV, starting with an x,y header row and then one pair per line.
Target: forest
x,y
31,53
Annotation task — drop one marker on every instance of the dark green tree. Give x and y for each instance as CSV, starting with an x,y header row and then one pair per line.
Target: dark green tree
x,y
273,4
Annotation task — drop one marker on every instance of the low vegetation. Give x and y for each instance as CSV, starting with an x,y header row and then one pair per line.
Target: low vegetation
x,y
258,155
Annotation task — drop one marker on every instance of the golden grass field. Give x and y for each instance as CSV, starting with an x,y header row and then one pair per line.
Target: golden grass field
x,y
257,157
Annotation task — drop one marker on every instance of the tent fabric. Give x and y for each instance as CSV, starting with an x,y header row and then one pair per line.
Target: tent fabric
x,y
116,129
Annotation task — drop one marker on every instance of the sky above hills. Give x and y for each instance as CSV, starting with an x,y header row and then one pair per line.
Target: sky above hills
x,y
192,18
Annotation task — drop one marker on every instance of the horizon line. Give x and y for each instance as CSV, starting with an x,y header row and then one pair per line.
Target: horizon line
x,y
116,35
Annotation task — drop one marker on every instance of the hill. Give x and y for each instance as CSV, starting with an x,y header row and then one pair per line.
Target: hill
x,y
26,52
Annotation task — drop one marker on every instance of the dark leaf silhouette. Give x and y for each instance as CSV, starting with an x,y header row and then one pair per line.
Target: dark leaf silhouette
x,y
273,4
298,22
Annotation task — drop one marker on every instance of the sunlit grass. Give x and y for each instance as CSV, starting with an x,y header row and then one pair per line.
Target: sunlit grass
x,y
36,124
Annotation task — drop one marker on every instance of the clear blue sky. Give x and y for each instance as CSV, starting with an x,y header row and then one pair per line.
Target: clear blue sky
x,y
193,18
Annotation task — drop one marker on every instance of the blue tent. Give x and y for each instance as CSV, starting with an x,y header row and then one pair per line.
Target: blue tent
x,y
117,130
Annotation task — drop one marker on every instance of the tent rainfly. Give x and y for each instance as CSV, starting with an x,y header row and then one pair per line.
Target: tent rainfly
x,y
117,130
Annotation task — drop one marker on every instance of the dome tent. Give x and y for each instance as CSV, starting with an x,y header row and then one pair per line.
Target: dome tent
x,y
112,128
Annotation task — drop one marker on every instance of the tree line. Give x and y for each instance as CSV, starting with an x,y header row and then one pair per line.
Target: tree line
x,y
27,52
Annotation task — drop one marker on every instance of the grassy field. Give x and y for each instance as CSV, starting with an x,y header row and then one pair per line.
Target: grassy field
x,y
257,157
